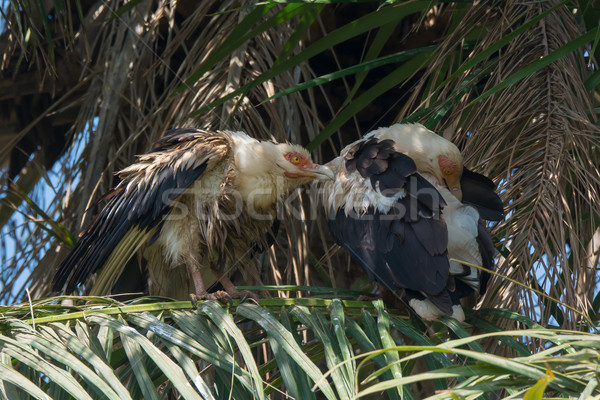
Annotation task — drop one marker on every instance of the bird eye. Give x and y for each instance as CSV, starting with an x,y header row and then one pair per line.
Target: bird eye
x,y
295,158
447,171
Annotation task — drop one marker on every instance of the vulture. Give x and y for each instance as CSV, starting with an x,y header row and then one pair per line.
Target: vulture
x,y
194,208
403,205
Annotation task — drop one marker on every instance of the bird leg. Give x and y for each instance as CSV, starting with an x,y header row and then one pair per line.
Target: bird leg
x,y
202,293
224,296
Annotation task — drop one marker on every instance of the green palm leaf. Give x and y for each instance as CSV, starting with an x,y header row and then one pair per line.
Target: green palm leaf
x,y
203,353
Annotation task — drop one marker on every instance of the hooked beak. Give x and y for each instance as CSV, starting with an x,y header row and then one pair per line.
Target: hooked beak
x,y
313,171
455,189
454,186
320,172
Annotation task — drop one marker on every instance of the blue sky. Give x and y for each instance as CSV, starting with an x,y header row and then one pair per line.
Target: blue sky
x,y
15,235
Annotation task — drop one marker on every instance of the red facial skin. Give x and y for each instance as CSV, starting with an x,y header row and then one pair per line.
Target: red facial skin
x,y
300,161
449,169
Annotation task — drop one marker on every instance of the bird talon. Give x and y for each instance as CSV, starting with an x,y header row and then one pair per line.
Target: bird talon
x,y
221,296
197,297
244,295
194,298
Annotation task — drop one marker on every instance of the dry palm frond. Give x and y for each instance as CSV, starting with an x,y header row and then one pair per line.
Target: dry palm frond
x,y
535,139
137,61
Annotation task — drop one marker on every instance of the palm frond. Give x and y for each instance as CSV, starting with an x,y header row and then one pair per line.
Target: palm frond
x,y
511,83
134,57
522,115
322,348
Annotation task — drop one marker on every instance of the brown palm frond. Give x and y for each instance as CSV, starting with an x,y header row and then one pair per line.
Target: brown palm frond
x,y
132,65
536,140
112,89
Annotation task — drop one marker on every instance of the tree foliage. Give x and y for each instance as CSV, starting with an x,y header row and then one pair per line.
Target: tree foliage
x,y
87,85
311,349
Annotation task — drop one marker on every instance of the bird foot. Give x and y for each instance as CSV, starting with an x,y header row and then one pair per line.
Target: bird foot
x,y
220,295
223,296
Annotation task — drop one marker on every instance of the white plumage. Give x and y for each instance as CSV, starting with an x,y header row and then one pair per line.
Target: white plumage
x,y
396,206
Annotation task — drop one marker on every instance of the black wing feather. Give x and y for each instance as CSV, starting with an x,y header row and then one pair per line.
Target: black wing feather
x,y
126,208
391,252
488,251
479,191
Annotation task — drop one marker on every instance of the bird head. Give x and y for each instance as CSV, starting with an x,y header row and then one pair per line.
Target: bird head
x,y
431,153
448,170
442,160
266,170
296,164
266,158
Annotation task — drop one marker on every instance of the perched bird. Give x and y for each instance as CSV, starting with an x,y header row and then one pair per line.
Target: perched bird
x,y
403,205
194,207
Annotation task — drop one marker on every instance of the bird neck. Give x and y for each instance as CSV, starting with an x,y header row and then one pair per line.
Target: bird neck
x,y
257,179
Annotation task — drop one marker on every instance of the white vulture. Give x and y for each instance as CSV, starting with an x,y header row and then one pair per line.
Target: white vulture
x,y
195,207
396,207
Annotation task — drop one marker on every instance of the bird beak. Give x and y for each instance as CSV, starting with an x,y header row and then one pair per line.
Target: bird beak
x,y
454,186
455,189
320,172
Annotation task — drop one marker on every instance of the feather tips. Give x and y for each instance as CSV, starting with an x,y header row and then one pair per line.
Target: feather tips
x,y
135,208
479,191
